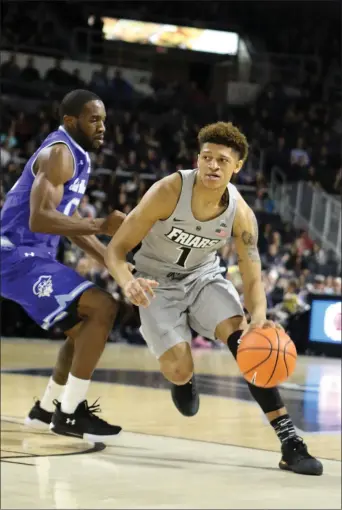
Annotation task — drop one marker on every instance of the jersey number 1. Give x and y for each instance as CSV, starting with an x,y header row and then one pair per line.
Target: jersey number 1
x,y
185,252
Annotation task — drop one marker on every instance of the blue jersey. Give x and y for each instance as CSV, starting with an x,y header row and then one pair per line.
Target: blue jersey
x,y
15,214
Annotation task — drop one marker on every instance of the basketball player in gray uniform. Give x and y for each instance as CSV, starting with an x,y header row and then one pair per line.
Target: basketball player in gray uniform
x,y
181,222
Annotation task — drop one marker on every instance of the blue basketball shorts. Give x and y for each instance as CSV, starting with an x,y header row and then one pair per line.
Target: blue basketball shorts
x,y
41,285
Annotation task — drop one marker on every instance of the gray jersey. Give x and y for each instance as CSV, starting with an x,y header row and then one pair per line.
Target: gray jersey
x,y
181,244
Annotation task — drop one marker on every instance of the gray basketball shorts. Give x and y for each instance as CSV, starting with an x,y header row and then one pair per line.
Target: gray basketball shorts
x,y
199,302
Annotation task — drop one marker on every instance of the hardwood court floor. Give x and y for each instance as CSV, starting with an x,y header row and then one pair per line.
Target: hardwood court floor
x,y
225,457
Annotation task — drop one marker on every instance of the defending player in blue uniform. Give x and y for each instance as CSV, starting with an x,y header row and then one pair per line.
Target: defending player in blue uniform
x,y
42,206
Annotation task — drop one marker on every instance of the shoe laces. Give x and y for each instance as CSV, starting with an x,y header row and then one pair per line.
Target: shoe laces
x,y
90,410
297,444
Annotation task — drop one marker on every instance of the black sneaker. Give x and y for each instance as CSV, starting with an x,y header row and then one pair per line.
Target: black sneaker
x,y
186,398
38,418
297,459
83,423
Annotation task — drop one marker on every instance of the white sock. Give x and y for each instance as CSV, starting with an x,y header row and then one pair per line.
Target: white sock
x,y
53,391
74,393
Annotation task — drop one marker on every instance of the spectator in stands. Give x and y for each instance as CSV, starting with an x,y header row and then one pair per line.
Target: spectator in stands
x,y
318,285
278,156
23,128
272,257
290,304
100,79
30,74
132,162
9,138
43,133
310,175
5,154
57,76
10,176
121,87
10,69
144,88
131,188
86,209
296,263
317,258
76,80
264,238
337,285
304,243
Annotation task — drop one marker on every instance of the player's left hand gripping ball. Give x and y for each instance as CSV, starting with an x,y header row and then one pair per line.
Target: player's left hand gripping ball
x,y
261,324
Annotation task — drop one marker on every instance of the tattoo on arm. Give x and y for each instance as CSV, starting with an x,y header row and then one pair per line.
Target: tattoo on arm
x,y
251,242
248,238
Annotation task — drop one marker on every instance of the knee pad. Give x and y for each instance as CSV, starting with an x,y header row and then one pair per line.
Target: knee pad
x,y
269,399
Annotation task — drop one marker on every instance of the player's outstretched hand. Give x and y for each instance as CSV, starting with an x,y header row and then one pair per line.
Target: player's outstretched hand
x,y
261,324
140,291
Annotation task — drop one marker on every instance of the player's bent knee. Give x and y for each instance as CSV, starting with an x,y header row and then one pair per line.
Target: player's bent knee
x,y
229,326
177,364
177,375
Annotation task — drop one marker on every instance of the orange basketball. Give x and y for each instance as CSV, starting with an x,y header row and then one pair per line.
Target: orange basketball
x,y
266,357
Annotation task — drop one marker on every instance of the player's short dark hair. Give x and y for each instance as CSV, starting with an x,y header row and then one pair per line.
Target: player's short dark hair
x,y
73,103
224,133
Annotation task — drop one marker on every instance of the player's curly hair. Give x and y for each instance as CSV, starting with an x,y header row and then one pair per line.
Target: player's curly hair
x,y
224,133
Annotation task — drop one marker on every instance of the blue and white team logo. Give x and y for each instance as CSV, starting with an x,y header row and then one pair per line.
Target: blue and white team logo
x,y
43,286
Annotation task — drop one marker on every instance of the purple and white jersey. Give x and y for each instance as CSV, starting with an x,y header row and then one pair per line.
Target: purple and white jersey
x,y
15,230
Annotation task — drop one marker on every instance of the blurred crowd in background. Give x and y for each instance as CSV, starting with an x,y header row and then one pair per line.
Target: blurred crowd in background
x,y
151,131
